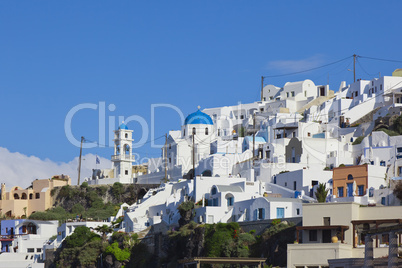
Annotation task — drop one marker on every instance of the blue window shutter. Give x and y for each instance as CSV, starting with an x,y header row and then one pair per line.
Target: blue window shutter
x,y
255,214
263,213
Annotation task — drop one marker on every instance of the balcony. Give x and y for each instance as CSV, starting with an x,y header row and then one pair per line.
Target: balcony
x,y
120,157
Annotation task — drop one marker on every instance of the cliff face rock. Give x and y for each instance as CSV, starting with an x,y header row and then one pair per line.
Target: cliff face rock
x,y
89,196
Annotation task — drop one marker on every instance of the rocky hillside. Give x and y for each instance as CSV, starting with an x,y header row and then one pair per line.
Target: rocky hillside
x,y
89,196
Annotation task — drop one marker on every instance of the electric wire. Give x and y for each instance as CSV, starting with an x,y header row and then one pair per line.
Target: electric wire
x,y
307,70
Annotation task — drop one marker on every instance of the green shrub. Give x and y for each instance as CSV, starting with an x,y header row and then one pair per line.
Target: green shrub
x,y
77,209
117,189
119,254
84,185
389,132
80,236
358,140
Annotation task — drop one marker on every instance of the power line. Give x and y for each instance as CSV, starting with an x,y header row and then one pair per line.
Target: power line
x,y
379,59
307,70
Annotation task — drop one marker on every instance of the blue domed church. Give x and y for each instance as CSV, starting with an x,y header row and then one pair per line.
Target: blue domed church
x,y
198,133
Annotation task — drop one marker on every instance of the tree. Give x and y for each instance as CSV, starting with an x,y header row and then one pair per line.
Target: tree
x,y
321,193
398,190
104,230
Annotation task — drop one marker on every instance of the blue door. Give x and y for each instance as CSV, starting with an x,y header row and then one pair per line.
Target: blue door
x,y
280,213
350,189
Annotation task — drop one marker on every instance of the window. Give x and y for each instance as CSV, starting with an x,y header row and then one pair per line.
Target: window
x,y
350,177
383,201
305,93
340,191
360,190
297,211
30,250
206,131
278,136
327,221
170,160
312,235
399,150
241,116
287,94
170,146
382,163
184,132
381,87
308,134
126,136
268,154
261,213
37,195
286,184
294,185
194,131
219,132
261,109
38,250
126,172
213,191
230,201
293,93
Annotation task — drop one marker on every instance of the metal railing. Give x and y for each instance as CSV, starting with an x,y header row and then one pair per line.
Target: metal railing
x,y
123,157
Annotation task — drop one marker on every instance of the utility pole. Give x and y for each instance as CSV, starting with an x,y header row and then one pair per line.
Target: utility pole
x,y
165,155
254,128
354,67
79,164
262,87
193,154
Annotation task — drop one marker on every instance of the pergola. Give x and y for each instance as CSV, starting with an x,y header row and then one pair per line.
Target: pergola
x,y
197,261
376,224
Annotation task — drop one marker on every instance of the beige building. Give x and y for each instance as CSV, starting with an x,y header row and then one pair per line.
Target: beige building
x,y
23,202
334,231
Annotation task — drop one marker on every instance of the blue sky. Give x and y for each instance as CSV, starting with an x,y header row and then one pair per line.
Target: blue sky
x,y
55,55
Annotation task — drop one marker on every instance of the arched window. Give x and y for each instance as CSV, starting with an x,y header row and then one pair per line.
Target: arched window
x,y
126,149
206,131
23,196
31,228
31,196
126,136
16,196
213,191
194,131
118,149
350,177
229,199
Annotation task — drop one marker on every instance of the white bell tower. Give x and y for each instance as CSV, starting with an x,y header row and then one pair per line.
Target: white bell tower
x,y
123,155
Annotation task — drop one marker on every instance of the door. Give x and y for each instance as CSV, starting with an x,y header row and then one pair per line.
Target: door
x,y
280,213
350,189
326,236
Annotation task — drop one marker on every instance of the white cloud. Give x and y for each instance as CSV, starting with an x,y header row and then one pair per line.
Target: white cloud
x,y
17,169
289,66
